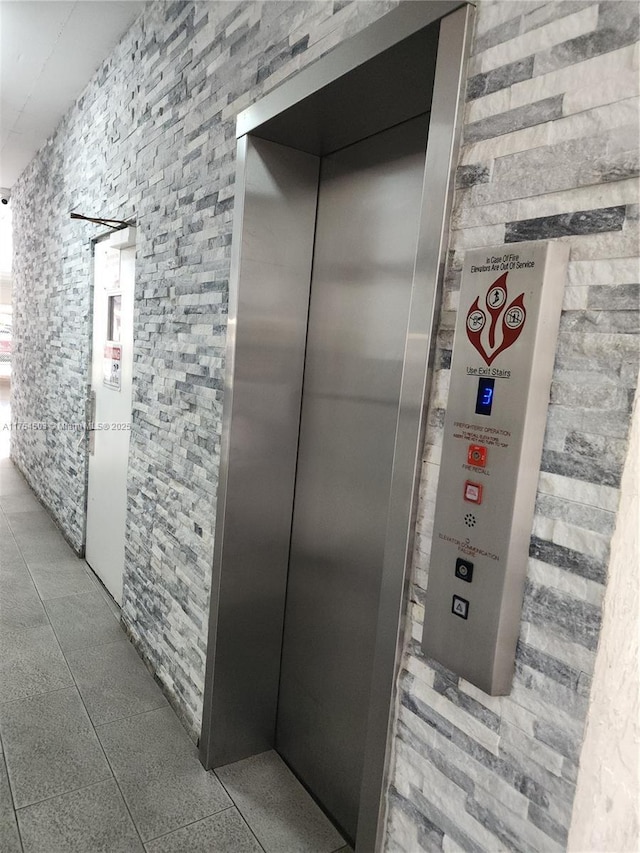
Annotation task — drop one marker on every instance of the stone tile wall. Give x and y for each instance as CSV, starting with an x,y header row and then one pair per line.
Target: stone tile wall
x,y
549,148
152,138
550,151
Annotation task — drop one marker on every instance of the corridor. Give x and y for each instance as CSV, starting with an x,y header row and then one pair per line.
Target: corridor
x,y
92,757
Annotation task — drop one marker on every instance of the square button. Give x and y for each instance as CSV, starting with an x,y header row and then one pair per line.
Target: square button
x,y
460,607
477,455
473,492
464,570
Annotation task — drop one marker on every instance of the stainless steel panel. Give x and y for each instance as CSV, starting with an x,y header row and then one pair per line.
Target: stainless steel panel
x,y
393,87
397,25
510,302
452,46
273,243
439,170
366,238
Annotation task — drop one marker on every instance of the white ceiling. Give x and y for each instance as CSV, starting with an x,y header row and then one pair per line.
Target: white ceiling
x,y
49,49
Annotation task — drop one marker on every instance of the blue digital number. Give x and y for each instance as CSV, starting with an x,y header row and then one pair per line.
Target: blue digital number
x,y
484,397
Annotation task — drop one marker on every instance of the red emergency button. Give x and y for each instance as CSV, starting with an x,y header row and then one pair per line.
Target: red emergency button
x,y
477,455
473,492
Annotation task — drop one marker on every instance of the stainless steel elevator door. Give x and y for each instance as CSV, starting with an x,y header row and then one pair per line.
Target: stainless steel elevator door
x,y
366,235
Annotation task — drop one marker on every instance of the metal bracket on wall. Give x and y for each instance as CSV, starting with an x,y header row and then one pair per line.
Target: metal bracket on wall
x,y
116,224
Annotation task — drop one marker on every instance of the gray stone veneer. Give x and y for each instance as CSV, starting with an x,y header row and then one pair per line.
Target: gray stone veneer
x,y
152,138
549,152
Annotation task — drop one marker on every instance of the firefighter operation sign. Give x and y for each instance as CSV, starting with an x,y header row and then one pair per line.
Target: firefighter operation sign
x,y
112,366
499,390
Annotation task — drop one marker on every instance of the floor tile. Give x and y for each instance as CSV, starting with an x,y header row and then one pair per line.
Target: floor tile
x,y
91,820
113,681
38,538
50,746
81,621
159,774
15,577
62,559
61,579
31,663
5,530
12,484
42,547
20,605
32,524
9,543
280,812
111,604
11,479
9,838
11,560
225,832
26,502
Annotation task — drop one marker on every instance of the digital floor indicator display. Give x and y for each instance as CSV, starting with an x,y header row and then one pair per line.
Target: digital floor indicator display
x,y
504,349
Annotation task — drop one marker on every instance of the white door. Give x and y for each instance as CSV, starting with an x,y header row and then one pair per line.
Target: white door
x,y
112,365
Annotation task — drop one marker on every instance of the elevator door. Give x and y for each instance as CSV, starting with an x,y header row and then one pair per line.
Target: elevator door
x,y
366,235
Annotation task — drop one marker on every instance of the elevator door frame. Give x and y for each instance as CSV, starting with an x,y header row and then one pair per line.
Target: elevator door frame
x,y
272,247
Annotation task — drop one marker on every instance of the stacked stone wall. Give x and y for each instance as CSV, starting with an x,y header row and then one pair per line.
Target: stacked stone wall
x,y
549,152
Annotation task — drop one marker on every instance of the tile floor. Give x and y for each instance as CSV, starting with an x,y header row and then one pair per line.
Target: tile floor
x,y
92,758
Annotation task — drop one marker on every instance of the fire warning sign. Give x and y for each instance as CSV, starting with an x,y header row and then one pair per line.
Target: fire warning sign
x,y
493,307
112,366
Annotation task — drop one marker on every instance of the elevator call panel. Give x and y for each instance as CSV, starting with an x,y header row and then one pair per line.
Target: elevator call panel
x,y
504,349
